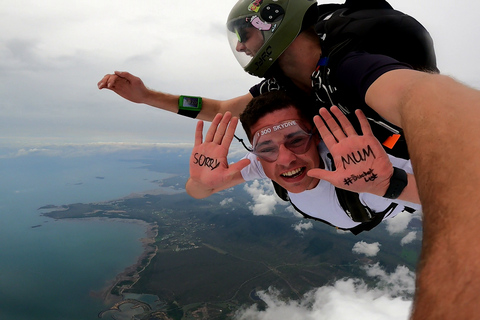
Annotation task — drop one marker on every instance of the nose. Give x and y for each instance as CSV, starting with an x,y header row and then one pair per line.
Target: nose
x,y
285,156
240,47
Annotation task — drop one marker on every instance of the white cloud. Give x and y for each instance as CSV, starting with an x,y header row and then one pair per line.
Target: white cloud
x,y
263,197
226,201
346,299
292,210
400,283
410,237
399,223
368,249
301,226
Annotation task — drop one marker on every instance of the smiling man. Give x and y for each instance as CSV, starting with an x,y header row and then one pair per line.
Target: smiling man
x,y
287,148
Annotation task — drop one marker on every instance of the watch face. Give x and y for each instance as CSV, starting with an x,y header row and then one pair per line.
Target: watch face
x,y
190,103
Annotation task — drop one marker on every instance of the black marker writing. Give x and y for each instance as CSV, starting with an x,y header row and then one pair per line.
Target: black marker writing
x,y
203,160
358,157
366,175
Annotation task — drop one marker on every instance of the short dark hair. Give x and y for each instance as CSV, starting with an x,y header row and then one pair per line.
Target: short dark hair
x,y
267,103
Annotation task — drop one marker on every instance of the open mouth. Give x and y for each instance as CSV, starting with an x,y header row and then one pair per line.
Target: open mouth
x,y
294,173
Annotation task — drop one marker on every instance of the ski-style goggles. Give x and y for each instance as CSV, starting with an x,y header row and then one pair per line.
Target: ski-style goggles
x,y
266,141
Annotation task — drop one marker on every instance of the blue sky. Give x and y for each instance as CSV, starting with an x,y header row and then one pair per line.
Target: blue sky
x,y
53,53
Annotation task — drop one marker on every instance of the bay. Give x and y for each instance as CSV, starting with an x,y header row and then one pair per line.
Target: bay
x,y
50,269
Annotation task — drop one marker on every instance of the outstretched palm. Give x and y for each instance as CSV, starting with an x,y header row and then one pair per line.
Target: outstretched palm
x,y
208,163
361,164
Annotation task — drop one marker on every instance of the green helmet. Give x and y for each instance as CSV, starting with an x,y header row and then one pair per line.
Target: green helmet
x,y
259,31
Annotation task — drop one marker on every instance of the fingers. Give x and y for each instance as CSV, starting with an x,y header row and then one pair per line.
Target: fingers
x,y
227,139
199,133
326,135
364,124
222,129
335,129
345,124
109,80
343,128
103,83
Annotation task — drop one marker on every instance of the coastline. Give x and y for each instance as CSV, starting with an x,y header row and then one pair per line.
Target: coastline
x,y
112,292
131,274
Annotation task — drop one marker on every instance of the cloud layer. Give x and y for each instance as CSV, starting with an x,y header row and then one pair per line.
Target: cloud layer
x,y
346,299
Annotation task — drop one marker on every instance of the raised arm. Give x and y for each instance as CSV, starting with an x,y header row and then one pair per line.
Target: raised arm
x,y
361,163
210,171
133,89
441,121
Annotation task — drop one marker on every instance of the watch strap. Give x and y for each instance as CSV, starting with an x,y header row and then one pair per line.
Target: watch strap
x,y
398,182
188,113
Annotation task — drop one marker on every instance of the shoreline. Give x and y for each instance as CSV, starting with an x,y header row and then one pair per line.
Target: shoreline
x,y
111,293
131,274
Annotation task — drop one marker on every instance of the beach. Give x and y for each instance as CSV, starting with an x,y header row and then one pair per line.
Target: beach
x,y
112,293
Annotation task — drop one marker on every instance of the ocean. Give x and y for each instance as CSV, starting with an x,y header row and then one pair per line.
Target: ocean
x,y
50,269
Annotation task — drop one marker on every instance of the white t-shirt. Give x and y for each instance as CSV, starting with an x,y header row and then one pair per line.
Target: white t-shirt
x,y
321,202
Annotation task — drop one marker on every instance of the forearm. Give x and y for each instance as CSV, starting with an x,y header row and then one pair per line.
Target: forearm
x,y
133,89
169,102
210,107
441,122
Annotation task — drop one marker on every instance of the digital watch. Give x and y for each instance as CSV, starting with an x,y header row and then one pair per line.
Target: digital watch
x,y
189,106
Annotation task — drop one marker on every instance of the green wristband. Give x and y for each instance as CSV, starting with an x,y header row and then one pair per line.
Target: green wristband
x,y
189,106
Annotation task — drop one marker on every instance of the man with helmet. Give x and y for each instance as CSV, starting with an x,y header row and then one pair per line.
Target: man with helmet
x,y
438,115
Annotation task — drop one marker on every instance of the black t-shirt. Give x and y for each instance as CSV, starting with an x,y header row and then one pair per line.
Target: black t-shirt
x,y
352,78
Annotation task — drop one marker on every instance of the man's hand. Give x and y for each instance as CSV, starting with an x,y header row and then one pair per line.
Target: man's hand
x,y
209,168
362,165
125,85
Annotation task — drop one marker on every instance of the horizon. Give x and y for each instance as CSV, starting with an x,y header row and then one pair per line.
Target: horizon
x,y
55,52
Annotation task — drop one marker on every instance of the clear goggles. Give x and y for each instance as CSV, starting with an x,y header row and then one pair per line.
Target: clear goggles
x,y
242,31
266,141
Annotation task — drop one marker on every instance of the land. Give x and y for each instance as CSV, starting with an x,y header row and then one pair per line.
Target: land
x,y
203,260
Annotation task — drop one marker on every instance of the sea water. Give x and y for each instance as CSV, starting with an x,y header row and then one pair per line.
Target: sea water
x,y
50,269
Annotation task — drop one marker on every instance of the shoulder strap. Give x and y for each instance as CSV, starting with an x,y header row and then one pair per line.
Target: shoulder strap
x,y
281,191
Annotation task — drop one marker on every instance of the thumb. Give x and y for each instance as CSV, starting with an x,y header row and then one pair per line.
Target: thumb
x,y
123,74
322,174
238,166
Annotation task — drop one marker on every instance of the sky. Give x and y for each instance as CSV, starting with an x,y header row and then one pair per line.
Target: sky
x,y
53,53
